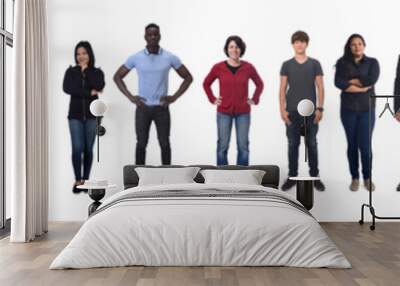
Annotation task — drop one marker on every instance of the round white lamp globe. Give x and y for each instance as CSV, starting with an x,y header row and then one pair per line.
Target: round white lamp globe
x,y
98,107
305,107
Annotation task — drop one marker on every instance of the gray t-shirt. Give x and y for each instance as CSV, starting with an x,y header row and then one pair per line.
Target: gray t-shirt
x,y
301,80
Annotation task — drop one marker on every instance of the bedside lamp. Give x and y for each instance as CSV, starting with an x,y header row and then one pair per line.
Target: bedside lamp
x,y
98,108
97,188
305,109
305,185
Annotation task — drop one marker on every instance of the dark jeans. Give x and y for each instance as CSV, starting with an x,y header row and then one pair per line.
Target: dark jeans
x,y
224,125
293,132
161,117
83,133
356,126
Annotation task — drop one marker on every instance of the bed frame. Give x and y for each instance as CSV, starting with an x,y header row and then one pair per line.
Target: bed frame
x,y
270,179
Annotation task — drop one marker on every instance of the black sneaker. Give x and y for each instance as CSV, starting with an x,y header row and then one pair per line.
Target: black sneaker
x,y
288,184
319,185
75,190
84,190
398,188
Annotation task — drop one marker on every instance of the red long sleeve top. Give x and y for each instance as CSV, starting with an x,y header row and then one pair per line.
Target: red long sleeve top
x,y
233,88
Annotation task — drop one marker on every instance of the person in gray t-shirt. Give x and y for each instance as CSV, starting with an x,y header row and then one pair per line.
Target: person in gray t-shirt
x,y
301,77
301,80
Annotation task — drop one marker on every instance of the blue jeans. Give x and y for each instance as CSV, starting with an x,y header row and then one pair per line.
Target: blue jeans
x,y
356,126
224,125
83,133
293,133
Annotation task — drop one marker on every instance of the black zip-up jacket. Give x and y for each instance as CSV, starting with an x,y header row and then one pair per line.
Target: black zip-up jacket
x,y
79,84
397,88
367,71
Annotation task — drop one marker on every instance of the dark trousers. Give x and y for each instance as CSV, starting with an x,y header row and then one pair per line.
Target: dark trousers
x,y
293,132
161,117
83,133
356,126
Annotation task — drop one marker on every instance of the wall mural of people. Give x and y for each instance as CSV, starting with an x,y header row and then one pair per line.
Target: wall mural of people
x,y
301,77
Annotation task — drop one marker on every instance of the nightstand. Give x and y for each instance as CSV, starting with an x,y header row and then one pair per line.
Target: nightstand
x,y
305,190
96,193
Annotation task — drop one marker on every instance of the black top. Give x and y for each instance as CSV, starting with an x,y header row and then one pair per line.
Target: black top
x,y
397,88
79,84
367,71
232,68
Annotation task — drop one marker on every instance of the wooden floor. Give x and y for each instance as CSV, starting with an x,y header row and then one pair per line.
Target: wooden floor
x,y
375,257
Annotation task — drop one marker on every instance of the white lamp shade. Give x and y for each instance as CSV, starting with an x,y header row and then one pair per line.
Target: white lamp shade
x,y
98,107
305,107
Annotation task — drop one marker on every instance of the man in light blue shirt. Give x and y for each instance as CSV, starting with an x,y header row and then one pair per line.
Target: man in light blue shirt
x,y
153,70
153,65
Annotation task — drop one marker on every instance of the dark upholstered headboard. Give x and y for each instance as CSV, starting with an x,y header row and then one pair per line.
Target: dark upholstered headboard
x,y
270,179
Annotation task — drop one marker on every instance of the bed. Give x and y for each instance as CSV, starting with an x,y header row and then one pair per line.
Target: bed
x,y
201,224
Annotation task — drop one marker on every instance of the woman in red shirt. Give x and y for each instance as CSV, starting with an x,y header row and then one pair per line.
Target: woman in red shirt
x,y
233,103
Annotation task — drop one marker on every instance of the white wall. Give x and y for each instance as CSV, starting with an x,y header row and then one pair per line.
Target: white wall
x,y
196,31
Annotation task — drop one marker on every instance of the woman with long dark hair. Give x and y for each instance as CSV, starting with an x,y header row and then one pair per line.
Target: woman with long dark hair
x,y
356,74
233,103
83,82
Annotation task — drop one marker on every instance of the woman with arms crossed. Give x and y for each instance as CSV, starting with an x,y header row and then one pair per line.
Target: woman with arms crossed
x,y
356,74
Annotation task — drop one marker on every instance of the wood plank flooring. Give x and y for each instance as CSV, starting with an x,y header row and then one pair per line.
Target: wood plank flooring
x,y
375,257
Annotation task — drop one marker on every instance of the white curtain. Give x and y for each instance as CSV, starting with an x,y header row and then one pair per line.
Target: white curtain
x,y
28,158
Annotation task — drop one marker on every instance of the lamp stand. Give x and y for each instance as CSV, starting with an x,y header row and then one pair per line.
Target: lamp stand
x,y
98,137
305,139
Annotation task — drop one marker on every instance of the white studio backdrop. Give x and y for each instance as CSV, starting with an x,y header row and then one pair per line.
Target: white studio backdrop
x,y
196,32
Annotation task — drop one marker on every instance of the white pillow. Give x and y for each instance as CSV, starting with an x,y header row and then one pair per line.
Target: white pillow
x,y
165,176
248,177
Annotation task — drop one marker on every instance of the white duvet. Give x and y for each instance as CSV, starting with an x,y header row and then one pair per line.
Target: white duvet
x,y
200,231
